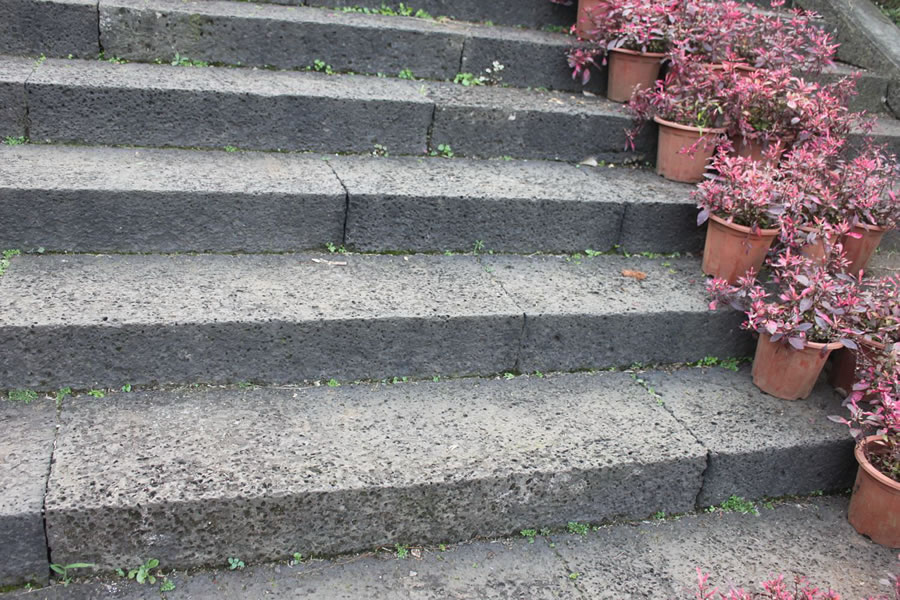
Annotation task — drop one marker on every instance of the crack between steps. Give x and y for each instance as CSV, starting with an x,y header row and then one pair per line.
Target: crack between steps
x,y
462,54
58,426
430,130
346,203
521,349
690,432
25,83
99,32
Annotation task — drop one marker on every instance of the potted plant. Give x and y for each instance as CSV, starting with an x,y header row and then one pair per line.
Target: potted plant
x,y
874,423
687,106
742,204
799,323
877,325
632,35
868,205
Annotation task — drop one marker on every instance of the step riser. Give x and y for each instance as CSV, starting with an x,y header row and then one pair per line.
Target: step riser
x,y
265,352
103,221
49,28
258,529
297,38
351,350
64,113
109,221
89,102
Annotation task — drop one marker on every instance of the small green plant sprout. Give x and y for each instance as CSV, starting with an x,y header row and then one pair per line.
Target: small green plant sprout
x,y
40,60
335,249
508,376
659,516
574,576
62,393
333,383
111,59
142,574
234,563
63,571
244,385
14,141
231,149
321,67
736,504
529,534
397,380
731,364
443,150
184,61
478,247
296,558
592,253
406,74
442,547
380,150
96,393
436,378
402,551
538,374
469,80
167,586
23,396
578,528
5,258
126,387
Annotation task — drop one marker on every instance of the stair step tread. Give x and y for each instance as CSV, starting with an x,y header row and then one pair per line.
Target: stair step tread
x,y
264,471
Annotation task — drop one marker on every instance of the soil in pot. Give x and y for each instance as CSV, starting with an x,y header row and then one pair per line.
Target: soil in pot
x,y
731,250
676,165
860,250
786,373
630,71
843,365
875,504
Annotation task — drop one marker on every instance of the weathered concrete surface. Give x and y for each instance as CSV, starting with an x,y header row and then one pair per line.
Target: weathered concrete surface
x,y
49,27
260,474
230,32
512,206
25,448
490,122
885,132
759,445
259,34
867,38
872,87
624,562
13,74
86,321
659,560
505,12
108,199
161,105
587,314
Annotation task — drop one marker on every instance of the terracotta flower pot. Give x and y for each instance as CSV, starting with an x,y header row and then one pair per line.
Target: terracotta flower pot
x,y
843,365
731,250
860,250
630,71
754,149
584,23
816,249
671,163
875,504
786,373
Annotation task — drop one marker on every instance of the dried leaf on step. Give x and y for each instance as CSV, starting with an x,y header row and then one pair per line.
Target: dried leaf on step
x,y
330,262
639,275
588,94
590,161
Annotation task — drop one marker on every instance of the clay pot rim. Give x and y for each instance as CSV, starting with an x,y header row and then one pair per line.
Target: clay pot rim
x,y
879,477
875,228
743,228
812,345
701,131
636,53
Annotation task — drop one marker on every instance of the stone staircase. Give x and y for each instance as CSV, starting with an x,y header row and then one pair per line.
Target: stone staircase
x,y
422,380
